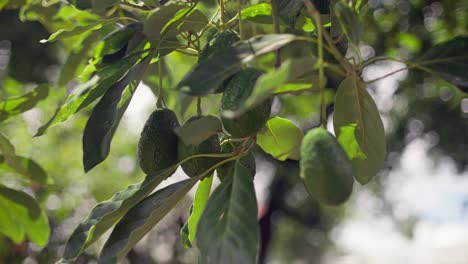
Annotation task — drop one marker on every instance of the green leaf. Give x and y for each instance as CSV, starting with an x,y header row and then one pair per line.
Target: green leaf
x,y
104,119
228,228
172,19
289,10
355,111
199,202
141,219
185,20
21,215
102,5
349,21
197,131
258,13
88,92
117,40
205,77
184,235
29,168
107,213
19,104
449,60
293,76
21,165
66,33
281,138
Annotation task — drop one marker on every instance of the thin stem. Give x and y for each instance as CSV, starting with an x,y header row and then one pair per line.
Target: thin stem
x,y
199,107
160,101
239,10
221,15
316,16
387,75
333,50
276,25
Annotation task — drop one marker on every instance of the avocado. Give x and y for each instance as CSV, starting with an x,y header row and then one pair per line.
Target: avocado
x,y
248,161
197,166
238,90
219,42
325,168
157,148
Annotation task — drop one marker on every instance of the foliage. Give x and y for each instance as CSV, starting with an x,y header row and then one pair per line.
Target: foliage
x,y
296,48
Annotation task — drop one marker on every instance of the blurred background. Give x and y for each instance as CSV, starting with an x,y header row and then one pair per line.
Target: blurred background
x,y
415,211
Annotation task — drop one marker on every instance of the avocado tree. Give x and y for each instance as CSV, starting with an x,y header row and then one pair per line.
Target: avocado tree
x,y
223,67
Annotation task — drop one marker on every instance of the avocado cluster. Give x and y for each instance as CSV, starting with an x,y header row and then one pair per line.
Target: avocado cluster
x,y
325,168
239,88
247,161
196,166
220,41
157,148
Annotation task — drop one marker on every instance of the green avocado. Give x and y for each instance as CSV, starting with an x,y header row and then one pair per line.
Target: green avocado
x,y
197,166
219,42
238,90
157,148
248,162
325,169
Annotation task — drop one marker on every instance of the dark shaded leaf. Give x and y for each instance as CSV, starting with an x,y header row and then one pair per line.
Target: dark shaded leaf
x,y
449,60
349,21
293,76
204,78
289,10
141,219
197,131
19,104
104,119
281,138
228,228
88,92
107,213
359,129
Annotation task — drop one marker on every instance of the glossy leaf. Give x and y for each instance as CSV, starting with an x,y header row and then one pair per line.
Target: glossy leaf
x,y
19,104
88,92
293,76
104,119
196,131
141,219
66,33
228,228
449,60
204,78
359,129
22,216
258,13
105,214
184,236
199,202
280,138
172,19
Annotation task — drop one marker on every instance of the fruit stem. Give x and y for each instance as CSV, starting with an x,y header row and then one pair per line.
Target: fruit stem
x,y
160,101
316,16
199,108
221,15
